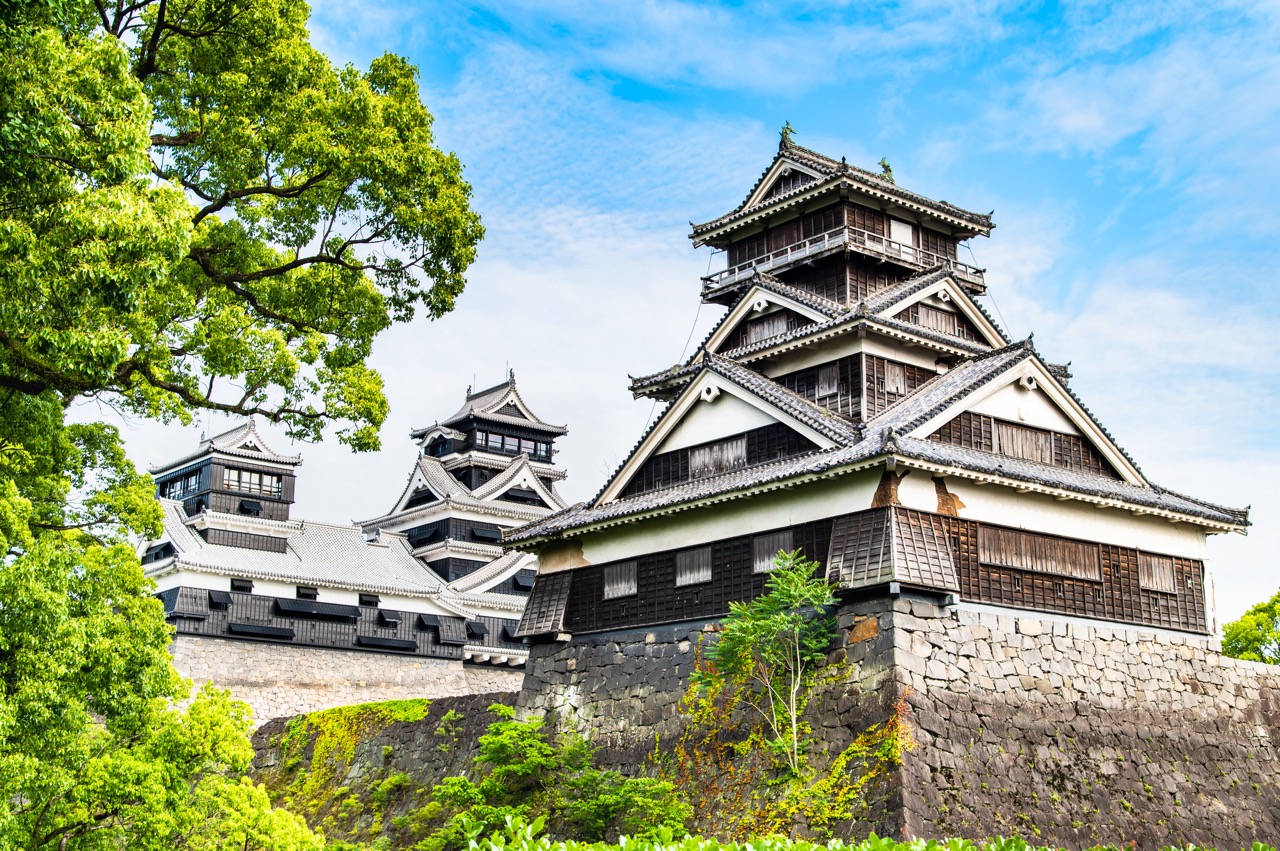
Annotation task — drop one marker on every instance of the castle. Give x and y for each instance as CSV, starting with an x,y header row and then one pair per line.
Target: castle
x,y
423,601
855,402
1011,584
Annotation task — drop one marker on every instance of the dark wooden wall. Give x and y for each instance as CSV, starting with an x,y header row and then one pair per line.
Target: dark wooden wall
x,y
190,611
658,600
767,443
1069,451
1117,595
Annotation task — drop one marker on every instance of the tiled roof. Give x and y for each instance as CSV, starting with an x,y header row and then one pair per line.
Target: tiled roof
x,y
232,442
880,437
317,554
506,565
886,298
765,281
937,394
820,419
488,403
1076,481
833,173
452,493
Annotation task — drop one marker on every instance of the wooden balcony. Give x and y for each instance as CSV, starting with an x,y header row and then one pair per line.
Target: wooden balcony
x,y
844,238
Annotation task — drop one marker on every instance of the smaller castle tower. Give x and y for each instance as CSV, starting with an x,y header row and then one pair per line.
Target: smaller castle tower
x,y
483,470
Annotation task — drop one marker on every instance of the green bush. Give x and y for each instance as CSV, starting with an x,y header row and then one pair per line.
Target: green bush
x,y
528,775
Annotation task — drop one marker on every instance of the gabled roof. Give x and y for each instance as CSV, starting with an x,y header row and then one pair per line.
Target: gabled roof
x,y
899,432
243,441
790,408
431,473
494,573
763,290
876,314
317,554
831,174
521,473
500,403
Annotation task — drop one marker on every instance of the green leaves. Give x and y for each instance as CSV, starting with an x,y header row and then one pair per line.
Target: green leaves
x,y
769,649
554,782
1256,635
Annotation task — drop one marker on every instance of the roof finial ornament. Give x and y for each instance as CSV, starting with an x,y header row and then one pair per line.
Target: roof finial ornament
x,y
886,170
511,374
784,136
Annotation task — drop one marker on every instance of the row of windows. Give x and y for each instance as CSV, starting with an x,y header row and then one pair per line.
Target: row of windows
x,y
694,566
508,445
251,481
181,487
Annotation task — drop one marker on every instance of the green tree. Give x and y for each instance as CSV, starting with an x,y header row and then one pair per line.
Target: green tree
x,y
197,211
772,647
1256,635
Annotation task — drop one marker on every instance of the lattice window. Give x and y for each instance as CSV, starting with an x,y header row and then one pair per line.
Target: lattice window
x,y
718,457
1019,441
828,380
1155,573
766,327
937,320
1041,553
765,548
619,580
693,566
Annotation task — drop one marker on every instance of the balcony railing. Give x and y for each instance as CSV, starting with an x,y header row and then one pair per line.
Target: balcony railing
x,y
862,241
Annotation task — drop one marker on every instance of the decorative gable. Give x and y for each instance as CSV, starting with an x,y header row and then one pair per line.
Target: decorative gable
x,y
1027,414
716,425
784,176
767,309
935,303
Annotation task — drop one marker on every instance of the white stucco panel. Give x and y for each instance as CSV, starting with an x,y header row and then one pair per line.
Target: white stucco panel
x,y
723,416
1029,407
774,510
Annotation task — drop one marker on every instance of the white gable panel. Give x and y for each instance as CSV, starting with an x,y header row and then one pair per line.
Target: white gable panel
x,y
1029,407
706,421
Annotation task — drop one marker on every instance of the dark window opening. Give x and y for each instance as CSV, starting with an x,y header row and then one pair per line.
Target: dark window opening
x,y
489,536
219,601
388,619
370,600
251,507
308,593
476,630
523,581
244,586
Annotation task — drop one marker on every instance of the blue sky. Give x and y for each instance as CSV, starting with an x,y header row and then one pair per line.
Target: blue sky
x,y
1131,155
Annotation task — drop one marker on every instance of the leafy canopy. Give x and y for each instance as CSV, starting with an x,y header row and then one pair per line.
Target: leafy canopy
x,y
197,211
1256,635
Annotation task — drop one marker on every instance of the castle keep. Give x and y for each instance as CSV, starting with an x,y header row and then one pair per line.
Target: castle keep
x,y
857,403
1006,570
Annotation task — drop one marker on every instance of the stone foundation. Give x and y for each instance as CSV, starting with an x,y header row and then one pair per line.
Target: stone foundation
x,y
1067,732
1078,733
277,680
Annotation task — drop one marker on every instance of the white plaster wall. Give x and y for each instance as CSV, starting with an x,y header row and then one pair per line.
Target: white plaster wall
x,y
278,680
725,415
1030,407
849,344
1069,518
781,508
191,579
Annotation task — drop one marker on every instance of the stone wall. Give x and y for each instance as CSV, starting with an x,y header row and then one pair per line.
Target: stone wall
x,y
278,680
1064,731
1080,733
